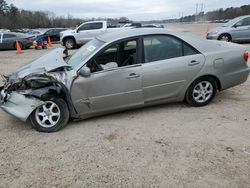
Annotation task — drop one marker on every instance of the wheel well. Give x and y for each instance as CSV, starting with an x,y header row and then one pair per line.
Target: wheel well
x,y
218,83
71,37
55,91
225,34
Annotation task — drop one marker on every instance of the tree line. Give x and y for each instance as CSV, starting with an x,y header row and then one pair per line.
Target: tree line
x,y
220,14
12,17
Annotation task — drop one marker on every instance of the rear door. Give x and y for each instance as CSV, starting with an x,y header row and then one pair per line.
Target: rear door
x,y
8,41
169,65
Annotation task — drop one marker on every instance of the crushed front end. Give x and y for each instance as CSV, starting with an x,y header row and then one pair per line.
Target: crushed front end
x,y
20,96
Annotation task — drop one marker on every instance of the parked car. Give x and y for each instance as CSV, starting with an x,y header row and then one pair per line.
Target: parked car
x,y
84,33
153,26
120,71
8,40
133,25
54,34
236,30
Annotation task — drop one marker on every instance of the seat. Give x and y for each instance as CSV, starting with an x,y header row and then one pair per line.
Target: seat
x,y
109,65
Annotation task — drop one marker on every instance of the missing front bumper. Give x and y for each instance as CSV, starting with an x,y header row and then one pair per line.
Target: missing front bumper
x,y
20,106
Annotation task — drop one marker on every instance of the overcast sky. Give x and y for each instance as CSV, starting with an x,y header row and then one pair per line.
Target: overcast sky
x,y
133,9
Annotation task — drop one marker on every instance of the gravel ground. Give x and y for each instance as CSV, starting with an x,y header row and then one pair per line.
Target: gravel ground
x,y
170,145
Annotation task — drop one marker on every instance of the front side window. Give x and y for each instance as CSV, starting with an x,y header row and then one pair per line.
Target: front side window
x,y
160,47
117,55
6,36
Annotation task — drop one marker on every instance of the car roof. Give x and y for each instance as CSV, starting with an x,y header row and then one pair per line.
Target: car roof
x,y
115,35
127,33
199,43
17,34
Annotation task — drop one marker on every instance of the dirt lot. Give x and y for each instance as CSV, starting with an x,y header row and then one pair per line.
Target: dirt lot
x,y
171,145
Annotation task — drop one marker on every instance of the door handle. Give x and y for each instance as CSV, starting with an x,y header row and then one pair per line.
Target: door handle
x,y
133,75
193,62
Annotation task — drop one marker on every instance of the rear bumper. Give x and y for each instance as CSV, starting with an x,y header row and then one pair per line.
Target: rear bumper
x,y
234,78
19,105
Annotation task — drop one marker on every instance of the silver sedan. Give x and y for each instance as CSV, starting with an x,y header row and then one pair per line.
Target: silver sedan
x,y
120,71
236,30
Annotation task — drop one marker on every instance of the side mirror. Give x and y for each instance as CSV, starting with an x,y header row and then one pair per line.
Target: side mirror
x,y
85,72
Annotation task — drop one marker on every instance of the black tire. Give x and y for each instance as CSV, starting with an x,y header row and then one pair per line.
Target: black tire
x,y
206,95
69,43
60,122
225,37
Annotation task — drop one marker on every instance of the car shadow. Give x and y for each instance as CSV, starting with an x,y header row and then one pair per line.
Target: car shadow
x,y
131,113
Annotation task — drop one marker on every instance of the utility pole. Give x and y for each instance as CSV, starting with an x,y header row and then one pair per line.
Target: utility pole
x,y
196,12
202,7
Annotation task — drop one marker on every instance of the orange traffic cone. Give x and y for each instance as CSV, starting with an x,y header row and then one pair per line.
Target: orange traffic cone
x,y
49,42
208,28
18,48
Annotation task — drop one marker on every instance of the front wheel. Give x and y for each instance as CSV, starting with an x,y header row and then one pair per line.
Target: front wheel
x,y
52,116
69,43
225,37
201,92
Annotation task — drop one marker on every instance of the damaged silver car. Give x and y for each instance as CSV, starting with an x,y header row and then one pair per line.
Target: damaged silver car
x,y
120,71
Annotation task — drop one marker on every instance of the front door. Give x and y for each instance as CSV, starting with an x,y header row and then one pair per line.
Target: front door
x,y
115,82
241,30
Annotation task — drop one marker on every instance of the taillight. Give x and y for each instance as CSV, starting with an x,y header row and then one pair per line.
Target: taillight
x,y
246,56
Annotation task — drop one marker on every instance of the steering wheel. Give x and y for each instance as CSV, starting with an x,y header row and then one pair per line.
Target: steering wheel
x,y
97,67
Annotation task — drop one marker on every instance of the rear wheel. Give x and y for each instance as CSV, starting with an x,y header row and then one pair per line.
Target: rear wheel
x,y
51,116
69,43
201,92
225,37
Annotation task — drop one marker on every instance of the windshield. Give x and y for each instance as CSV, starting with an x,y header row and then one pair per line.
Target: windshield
x,y
231,22
84,52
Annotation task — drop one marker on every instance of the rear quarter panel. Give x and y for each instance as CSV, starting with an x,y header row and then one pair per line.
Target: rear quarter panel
x,y
228,65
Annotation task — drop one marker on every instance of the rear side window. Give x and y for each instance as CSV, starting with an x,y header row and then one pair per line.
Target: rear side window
x,y
91,26
188,50
160,47
96,25
6,36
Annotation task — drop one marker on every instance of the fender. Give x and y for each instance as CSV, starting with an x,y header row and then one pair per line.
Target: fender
x,y
57,89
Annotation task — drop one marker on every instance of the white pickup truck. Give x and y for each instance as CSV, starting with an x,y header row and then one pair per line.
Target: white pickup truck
x,y
84,33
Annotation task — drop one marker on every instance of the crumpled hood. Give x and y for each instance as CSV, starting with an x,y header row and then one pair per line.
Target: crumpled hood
x,y
48,62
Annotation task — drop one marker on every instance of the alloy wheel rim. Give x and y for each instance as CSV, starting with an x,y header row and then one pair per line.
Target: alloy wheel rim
x,y
202,92
225,38
69,44
48,114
